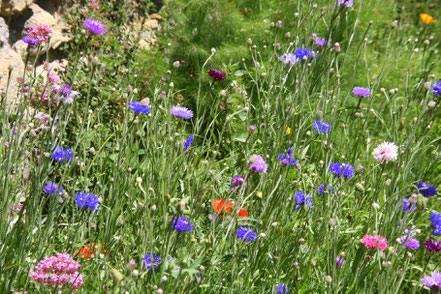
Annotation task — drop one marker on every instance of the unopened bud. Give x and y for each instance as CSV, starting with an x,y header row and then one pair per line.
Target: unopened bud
x,y
176,64
328,279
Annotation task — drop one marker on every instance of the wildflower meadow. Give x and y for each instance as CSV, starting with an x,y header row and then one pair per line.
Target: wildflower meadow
x,y
224,146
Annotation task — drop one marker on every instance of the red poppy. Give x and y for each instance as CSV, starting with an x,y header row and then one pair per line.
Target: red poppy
x,y
219,204
86,252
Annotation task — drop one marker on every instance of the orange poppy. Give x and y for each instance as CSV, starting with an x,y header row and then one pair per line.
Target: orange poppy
x,y
86,252
426,18
218,204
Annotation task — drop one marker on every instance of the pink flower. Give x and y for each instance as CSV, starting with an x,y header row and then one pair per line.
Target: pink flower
x,y
371,242
40,32
386,152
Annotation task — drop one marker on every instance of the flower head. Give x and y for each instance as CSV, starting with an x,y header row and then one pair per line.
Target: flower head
x,y
340,261
435,220
282,289
322,127
181,112
433,281
321,42
182,224
287,160
361,92
31,42
339,168
302,53
61,154
289,58
52,188
39,32
188,142
436,88
65,93
371,242
257,164
89,250
246,234
216,75
386,152
220,204
406,207
94,26
347,3
150,261
87,200
426,18
426,189
237,182
139,107
302,200
432,245
410,243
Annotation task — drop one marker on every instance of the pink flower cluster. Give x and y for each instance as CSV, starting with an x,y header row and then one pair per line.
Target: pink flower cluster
x,y
93,5
371,242
40,32
57,271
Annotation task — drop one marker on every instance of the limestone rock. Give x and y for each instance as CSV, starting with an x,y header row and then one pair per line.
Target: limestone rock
x,y
39,16
11,7
10,57
4,33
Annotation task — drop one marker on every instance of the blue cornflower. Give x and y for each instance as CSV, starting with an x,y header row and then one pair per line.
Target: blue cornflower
x,y
87,200
187,143
151,261
138,107
286,160
61,154
302,200
52,188
435,219
426,189
246,234
31,42
436,88
322,127
302,52
406,205
337,169
321,189
282,289
182,224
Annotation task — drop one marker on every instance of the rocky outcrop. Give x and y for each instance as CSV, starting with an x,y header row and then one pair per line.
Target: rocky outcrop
x,y
11,7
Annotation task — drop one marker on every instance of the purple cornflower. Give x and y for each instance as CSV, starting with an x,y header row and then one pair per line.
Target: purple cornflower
x,y
94,26
138,107
302,53
182,224
302,200
426,189
64,93
347,3
433,281
257,164
181,112
337,169
188,143
340,261
321,42
238,181
246,234
322,127
61,154
406,205
216,75
287,160
151,261
87,200
52,188
432,245
436,88
410,243
435,220
30,41
361,92
321,189
289,58
282,289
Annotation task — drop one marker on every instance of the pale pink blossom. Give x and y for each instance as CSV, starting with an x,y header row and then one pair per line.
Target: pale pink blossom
x,y
386,152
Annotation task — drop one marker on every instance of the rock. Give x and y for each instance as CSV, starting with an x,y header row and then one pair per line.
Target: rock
x,y
39,16
10,57
20,47
4,33
11,7
151,24
57,66
155,16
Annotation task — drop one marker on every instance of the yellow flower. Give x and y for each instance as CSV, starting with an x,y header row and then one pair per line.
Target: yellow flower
x,y
426,18
259,195
288,130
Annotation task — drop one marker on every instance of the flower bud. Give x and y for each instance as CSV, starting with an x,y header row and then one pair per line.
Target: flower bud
x,y
431,104
328,279
176,64
249,41
252,129
421,202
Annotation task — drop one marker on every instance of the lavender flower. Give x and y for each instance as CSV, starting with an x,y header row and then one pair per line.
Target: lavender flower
x,y
347,3
289,58
433,281
321,42
410,243
238,181
94,26
436,88
340,261
150,261
322,127
246,234
182,224
361,92
302,200
52,188
64,93
257,164
181,112
426,189
87,200
138,107
216,75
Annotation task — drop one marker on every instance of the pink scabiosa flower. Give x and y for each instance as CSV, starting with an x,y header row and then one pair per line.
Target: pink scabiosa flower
x,y
40,33
374,242
257,164
386,152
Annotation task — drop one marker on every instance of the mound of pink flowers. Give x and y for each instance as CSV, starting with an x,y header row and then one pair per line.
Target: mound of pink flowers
x,y
57,271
